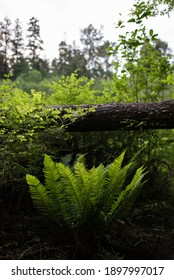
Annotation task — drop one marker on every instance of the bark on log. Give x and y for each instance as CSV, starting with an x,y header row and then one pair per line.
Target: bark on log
x,y
123,116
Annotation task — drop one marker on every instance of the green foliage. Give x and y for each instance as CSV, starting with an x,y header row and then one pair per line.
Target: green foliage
x,y
28,129
163,7
71,90
20,111
116,90
23,118
79,196
32,79
75,90
145,66
153,66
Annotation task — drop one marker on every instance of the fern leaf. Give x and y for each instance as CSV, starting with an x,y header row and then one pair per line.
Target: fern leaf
x,y
116,175
39,195
115,166
51,174
115,178
53,185
127,197
97,183
83,182
71,192
82,176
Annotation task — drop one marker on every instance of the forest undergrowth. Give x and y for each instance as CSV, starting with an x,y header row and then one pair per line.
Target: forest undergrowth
x,y
86,195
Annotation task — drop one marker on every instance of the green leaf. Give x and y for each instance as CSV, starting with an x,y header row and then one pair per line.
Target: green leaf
x,y
126,199
39,195
131,20
151,32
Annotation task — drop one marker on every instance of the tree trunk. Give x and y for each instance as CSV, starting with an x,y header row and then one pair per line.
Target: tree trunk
x,y
122,116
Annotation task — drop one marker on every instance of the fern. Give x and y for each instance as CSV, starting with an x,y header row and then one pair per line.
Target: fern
x,y
52,185
76,196
83,180
122,206
115,176
91,184
39,195
72,195
97,183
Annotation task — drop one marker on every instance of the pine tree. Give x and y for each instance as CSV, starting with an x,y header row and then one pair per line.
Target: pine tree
x,y
17,42
34,43
5,41
18,62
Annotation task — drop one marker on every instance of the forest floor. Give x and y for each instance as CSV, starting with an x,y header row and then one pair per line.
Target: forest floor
x,y
26,237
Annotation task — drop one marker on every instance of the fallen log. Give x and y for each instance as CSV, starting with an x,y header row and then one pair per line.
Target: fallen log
x,y
122,116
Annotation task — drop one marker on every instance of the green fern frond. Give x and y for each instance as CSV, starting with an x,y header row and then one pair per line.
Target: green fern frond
x,y
82,176
72,195
127,197
51,178
115,177
53,186
80,158
39,195
51,173
115,166
83,182
97,183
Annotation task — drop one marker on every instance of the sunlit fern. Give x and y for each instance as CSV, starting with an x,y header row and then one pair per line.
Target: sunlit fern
x,y
73,197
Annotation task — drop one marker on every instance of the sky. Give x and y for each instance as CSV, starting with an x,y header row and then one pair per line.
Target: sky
x,y
63,19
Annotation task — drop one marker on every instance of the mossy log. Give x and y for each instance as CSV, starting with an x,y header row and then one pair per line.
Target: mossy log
x,y
122,116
